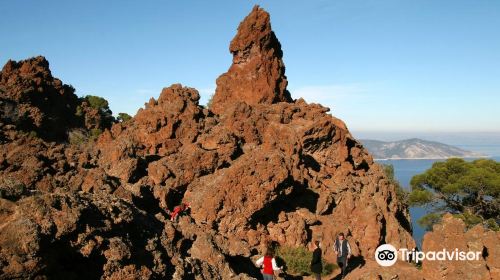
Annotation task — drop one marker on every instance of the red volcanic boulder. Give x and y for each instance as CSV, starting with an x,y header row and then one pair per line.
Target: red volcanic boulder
x,y
451,233
257,74
400,270
33,100
72,236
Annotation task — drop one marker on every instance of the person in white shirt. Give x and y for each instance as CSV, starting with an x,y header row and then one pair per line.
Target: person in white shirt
x,y
267,263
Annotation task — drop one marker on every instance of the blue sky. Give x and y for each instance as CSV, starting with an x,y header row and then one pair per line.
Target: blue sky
x,y
407,66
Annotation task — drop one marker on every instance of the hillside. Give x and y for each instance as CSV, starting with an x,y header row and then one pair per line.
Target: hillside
x,y
415,149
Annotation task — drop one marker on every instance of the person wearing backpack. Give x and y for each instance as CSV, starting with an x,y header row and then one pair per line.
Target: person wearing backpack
x,y
267,263
316,263
343,251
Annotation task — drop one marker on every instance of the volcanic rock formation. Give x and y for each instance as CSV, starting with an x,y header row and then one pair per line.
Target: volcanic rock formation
x,y
254,170
451,233
257,74
35,101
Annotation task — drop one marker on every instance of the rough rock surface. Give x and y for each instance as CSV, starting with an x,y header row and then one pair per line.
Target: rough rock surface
x,y
254,171
399,271
34,101
257,74
451,233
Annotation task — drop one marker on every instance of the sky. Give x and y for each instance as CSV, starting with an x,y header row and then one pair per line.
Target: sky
x,y
405,67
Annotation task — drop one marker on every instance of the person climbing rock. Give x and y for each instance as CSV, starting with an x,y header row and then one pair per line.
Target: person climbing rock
x,y
343,251
316,263
267,263
178,210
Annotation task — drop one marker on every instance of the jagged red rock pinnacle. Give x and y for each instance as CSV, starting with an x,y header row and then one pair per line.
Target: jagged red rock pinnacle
x,y
257,74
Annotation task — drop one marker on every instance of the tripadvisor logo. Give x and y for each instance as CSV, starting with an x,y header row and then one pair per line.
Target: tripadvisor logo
x,y
387,255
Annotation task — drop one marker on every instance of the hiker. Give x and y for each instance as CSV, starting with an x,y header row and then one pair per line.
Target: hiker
x,y
178,210
267,263
316,263
343,251
410,258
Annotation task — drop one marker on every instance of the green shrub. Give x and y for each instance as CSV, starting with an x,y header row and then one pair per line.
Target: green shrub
x,y
97,102
401,193
32,134
469,219
492,224
298,260
428,220
77,137
79,111
468,189
102,106
123,117
94,133
420,197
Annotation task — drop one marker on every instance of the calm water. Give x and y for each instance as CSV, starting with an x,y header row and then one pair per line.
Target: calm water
x,y
405,169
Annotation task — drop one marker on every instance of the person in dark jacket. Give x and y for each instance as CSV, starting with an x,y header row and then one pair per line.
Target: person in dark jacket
x,y
343,251
316,263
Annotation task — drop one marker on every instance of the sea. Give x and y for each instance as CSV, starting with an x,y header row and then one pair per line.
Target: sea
x,y
405,169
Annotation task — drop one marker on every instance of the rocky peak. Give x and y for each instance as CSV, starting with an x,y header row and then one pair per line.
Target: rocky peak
x,y
28,76
32,65
257,74
35,101
254,33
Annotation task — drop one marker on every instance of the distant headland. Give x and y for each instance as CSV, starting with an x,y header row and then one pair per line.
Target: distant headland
x,y
415,148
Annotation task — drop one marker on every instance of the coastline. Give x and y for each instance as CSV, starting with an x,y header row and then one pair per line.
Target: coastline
x,y
423,158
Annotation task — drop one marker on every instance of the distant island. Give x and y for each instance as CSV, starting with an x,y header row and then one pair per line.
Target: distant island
x,y
415,149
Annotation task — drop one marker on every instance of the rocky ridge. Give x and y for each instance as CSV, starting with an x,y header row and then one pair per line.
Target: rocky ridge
x,y
415,149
